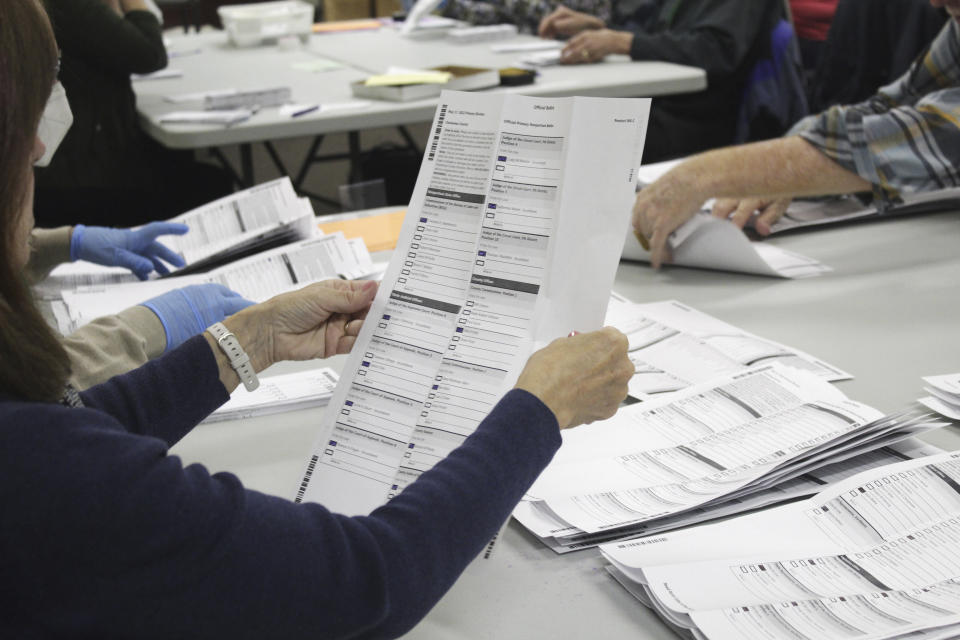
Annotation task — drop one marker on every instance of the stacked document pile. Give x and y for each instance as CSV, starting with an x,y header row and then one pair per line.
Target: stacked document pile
x,y
737,442
944,395
673,346
818,212
874,556
276,394
257,278
267,215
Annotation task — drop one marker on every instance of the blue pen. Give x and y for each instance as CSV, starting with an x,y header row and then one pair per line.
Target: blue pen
x,y
304,111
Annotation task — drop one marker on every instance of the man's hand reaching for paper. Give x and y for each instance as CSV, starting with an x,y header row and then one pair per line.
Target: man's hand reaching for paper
x,y
760,213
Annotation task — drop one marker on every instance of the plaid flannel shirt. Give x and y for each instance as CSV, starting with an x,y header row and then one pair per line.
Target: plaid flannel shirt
x,y
906,138
526,14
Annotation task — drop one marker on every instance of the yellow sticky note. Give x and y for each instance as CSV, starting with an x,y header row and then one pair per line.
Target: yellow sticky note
x,y
379,233
394,79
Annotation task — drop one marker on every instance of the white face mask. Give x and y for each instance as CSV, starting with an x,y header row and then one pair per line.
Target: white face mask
x,y
54,123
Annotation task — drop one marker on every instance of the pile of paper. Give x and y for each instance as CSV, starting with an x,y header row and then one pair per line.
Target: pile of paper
x,y
874,556
267,215
713,449
673,346
286,392
823,211
257,278
944,395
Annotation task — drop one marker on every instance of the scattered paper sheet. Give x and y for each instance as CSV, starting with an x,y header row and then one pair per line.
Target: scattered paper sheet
x,y
224,117
525,47
276,394
673,346
397,77
542,58
337,26
380,232
707,242
163,74
317,65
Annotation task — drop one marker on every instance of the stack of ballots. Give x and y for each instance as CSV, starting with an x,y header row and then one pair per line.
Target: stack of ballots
x,y
737,442
221,232
240,224
874,556
944,395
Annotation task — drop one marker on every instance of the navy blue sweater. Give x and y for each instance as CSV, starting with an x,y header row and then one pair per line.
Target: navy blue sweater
x,y
105,535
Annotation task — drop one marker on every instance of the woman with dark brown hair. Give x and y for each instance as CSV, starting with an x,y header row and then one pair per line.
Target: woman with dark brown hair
x,y
105,535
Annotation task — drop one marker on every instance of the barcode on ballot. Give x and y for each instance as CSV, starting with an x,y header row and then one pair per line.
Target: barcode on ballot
x,y
306,478
436,132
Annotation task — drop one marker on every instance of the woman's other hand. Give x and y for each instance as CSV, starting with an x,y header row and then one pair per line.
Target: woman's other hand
x,y
581,378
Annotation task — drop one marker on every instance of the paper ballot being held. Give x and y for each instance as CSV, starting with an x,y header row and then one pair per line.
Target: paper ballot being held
x,y
511,239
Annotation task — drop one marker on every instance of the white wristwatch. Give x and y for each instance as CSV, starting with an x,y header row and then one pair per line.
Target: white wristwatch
x,y
238,358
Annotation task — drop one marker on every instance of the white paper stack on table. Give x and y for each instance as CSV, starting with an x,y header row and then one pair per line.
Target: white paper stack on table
x,y
482,274
706,242
874,556
818,212
267,215
285,392
673,346
682,459
944,395
257,278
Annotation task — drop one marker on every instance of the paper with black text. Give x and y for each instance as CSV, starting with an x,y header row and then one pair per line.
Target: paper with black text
x,y
706,242
256,278
673,346
875,556
510,240
284,392
563,538
660,458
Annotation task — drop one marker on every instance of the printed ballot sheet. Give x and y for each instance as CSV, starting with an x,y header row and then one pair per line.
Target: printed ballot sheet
x,y
256,278
706,242
944,395
264,215
684,458
511,239
875,556
673,346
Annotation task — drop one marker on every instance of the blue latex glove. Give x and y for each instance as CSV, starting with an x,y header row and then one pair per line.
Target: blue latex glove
x,y
186,312
137,250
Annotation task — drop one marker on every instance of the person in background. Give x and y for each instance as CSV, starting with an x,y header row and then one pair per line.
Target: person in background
x,y
108,171
110,536
115,344
906,138
811,20
723,37
526,14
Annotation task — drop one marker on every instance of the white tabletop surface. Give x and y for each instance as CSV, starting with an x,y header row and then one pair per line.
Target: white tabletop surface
x,y
888,314
220,65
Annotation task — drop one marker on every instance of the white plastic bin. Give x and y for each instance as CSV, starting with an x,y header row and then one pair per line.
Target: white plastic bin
x,y
250,24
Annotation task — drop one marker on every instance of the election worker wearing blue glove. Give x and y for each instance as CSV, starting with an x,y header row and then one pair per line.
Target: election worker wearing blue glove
x,y
186,312
135,249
